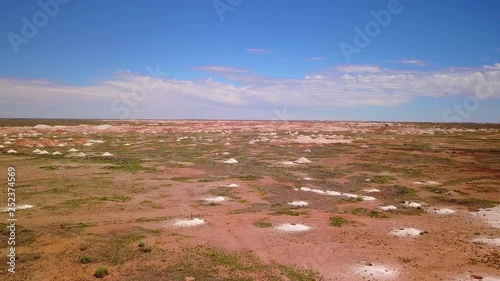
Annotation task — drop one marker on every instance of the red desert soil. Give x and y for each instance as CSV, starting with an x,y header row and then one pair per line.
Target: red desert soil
x,y
104,208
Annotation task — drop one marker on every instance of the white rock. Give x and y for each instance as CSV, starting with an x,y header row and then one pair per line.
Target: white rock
x,y
56,153
106,154
73,150
388,208
81,154
11,151
372,190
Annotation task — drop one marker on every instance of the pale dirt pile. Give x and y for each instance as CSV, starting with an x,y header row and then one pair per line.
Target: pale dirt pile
x,y
215,199
474,277
405,232
321,139
378,271
442,211
19,207
231,161
336,193
490,215
488,241
302,160
292,227
298,203
413,204
189,223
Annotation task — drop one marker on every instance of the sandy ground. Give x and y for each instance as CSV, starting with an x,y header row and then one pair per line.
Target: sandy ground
x,y
86,205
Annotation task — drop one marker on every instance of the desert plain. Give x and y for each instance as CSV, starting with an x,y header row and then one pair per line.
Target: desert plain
x,y
252,200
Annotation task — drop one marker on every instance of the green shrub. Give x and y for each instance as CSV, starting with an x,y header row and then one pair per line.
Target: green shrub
x,y
338,221
101,272
86,259
263,224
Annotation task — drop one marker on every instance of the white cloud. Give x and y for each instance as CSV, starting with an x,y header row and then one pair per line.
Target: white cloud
x,y
496,66
257,51
345,86
317,58
359,69
219,69
412,62
308,77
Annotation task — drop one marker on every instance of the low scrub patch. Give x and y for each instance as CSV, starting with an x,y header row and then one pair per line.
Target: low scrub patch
x,y
339,221
101,272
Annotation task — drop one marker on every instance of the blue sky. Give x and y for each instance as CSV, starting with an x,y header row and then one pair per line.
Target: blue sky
x,y
251,59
